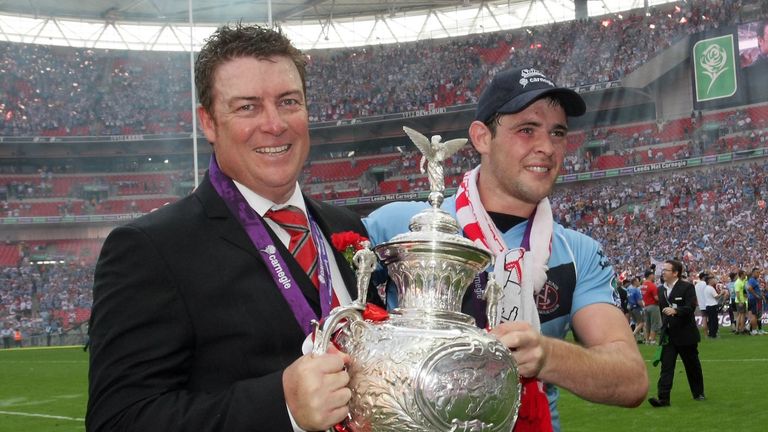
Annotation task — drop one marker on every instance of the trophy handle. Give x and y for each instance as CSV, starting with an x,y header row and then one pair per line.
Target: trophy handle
x,y
365,263
492,296
338,319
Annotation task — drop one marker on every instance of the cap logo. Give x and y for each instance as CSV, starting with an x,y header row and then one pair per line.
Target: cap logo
x,y
533,76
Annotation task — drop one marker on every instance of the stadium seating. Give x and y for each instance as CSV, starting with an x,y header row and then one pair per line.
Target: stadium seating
x,y
9,255
62,194
148,93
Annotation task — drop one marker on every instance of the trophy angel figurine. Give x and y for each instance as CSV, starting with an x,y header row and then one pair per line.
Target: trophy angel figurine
x,y
434,152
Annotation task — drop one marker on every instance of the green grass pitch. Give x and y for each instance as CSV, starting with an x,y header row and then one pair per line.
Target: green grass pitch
x,y
45,389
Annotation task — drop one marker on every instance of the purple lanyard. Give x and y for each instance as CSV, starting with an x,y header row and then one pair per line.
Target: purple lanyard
x,y
323,268
254,227
526,243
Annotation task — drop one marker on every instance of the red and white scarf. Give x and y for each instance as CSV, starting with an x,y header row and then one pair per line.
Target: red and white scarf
x,y
522,272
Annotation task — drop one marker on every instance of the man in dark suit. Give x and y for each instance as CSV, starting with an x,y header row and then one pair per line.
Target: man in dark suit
x,y
200,309
677,299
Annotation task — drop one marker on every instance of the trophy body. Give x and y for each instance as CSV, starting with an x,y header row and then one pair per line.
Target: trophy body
x,y
427,368
412,373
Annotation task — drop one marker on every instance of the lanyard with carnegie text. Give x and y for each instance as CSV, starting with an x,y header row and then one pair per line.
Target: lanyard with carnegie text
x,y
254,227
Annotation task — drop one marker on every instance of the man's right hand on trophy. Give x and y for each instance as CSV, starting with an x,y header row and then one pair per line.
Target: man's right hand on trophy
x,y
528,346
316,391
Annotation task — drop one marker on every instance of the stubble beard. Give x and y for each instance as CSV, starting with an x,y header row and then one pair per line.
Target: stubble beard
x,y
528,194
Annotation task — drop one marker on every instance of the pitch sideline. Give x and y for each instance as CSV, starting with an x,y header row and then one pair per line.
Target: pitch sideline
x,y
23,414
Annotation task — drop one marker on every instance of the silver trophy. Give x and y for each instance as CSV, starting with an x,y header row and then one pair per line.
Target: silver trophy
x,y
427,367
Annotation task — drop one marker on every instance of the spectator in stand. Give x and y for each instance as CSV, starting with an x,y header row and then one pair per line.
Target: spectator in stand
x,y
730,285
712,305
699,284
7,334
755,299
636,307
739,287
621,290
651,311
17,338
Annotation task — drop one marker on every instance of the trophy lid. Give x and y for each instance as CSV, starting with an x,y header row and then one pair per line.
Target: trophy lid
x,y
433,229
436,225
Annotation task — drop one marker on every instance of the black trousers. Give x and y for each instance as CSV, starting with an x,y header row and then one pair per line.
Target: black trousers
x,y
712,320
690,356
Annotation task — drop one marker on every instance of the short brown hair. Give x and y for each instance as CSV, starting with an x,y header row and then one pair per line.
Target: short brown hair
x,y
228,43
677,266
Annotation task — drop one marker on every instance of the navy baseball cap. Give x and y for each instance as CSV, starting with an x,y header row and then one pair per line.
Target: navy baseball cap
x,y
512,90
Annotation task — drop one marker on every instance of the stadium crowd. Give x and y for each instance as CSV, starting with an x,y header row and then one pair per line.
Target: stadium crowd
x,y
51,193
405,77
64,91
44,301
713,218
716,215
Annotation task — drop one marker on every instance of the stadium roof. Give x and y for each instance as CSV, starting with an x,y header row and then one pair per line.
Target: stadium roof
x,y
217,11
165,24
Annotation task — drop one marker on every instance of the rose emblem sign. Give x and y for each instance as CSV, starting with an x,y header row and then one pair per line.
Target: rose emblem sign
x,y
714,62
714,65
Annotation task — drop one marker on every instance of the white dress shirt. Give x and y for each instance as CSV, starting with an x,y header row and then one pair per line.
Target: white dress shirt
x,y
710,296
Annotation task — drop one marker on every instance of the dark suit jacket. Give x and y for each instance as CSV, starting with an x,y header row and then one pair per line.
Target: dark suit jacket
x,y
188,331
681,328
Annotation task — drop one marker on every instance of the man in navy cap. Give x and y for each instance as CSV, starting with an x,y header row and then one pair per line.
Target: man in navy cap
x,y
553,278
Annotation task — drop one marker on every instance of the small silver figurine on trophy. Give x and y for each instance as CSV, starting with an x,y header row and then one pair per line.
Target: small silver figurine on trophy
x,y
434,153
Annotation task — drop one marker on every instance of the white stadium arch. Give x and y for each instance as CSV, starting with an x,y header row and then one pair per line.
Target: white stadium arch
x,y
175,25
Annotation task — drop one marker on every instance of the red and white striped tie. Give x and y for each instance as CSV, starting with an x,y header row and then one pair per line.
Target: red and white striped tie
x,y
293,221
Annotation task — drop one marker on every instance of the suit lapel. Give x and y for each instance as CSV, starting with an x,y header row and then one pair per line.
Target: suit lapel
x,y
664,295
674,288
233,232
675,291
229,227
